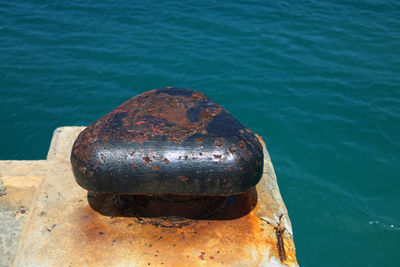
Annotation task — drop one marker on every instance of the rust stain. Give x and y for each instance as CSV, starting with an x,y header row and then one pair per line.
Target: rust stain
x,y
176,246
242,145
156,167
202,255
147,160
279,230
183,178
112,240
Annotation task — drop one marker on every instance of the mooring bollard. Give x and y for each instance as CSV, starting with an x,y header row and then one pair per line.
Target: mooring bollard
x,y
171,148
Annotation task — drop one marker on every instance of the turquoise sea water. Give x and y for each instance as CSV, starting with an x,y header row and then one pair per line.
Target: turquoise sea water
x,y
320,81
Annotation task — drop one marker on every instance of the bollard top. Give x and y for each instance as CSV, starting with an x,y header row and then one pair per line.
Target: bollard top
x,y
168,140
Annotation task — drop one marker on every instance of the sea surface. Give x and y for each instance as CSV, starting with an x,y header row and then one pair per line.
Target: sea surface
x,y
319,80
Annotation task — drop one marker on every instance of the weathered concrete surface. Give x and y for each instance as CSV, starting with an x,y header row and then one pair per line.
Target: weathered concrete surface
x,y
62,229
19,181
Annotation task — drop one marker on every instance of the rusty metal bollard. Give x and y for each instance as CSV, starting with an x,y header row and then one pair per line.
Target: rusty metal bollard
x,y
169,145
